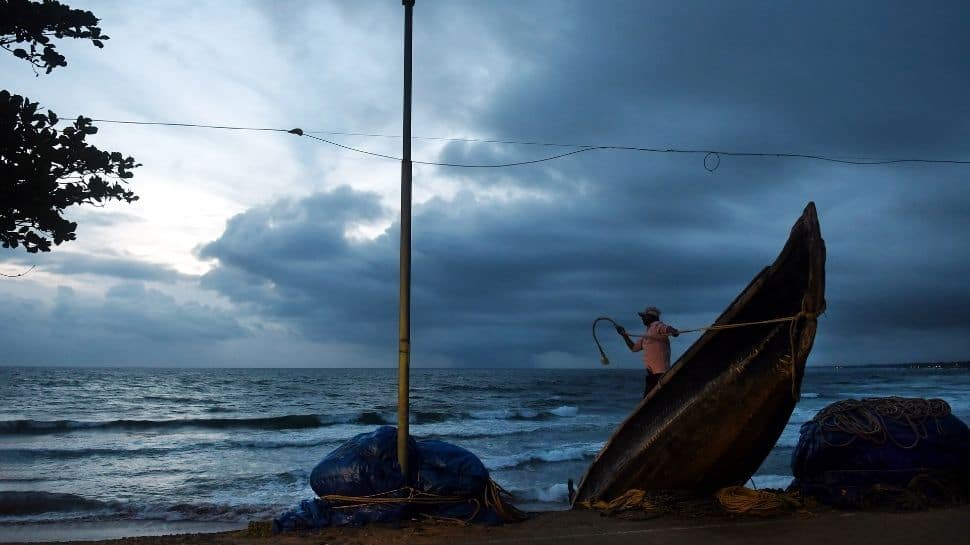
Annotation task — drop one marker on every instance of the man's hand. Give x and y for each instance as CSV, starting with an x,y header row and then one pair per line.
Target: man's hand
x,y
674,332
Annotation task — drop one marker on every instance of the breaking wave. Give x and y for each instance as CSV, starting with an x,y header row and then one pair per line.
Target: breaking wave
x,y
525,414
562,454
296,421
287,422
18,503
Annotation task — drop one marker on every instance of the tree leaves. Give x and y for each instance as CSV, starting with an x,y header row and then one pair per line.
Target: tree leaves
x,y
42,170
23,21
35,161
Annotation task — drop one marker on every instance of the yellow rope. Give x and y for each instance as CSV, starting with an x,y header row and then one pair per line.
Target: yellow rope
x,y
733,499
745,324
652,501
496,499
738,499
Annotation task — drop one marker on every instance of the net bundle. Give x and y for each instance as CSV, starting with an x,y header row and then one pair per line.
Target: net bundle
x,y
866,419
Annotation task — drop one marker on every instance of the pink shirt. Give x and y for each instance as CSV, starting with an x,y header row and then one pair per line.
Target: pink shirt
x,y
655,344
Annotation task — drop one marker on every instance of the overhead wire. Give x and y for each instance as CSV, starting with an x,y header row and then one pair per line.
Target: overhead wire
x,y
18,275
712,157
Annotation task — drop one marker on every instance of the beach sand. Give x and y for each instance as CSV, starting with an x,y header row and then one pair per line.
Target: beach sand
x,y
936,526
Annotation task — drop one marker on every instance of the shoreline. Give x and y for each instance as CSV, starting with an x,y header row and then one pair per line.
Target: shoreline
x,y
935,526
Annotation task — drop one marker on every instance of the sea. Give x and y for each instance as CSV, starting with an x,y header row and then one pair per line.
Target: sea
x,y
96,453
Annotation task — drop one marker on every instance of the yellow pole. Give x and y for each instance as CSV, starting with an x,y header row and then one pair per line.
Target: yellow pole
x,y
404,308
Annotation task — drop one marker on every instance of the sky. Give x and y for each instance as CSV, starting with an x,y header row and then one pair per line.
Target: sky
x,y
266,249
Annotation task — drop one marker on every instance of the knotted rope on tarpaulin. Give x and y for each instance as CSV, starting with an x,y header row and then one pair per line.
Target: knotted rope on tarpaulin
x,y
866,419
494,497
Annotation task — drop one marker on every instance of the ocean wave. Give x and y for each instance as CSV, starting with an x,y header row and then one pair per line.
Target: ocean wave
x,y
560,454
294,421
35,507
26,454
177,399
565,410
18,503
207,485
285,422
370,418
557,493
524,414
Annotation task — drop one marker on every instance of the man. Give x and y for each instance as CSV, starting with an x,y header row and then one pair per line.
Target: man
x,y
655,344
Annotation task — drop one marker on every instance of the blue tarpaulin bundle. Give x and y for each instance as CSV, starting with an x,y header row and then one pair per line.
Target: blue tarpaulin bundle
x,y
361,482
852,449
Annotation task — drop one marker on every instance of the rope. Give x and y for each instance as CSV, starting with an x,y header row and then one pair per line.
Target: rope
x,y
496,498
866,419
653,501
413,496
493,497
792,320
606,361
733,499
738,499
746,324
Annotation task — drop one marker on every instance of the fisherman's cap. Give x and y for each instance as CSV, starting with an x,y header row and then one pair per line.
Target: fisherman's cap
x,y
650,310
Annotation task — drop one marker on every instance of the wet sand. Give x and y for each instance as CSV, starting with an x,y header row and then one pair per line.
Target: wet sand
x,y
936,526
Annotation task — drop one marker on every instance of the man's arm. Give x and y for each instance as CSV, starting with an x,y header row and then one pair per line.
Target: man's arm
x,y
634,347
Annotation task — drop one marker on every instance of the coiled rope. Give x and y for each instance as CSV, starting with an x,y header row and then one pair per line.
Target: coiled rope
x,y
739,499
866,419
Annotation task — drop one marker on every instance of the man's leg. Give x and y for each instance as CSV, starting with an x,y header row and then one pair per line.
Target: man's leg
x,y
651,382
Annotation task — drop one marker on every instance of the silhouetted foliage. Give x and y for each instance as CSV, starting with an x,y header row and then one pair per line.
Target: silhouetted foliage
x,y
43,170
33,23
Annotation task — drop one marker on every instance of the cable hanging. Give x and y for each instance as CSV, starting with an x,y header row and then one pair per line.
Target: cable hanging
x,y
712,158
18,275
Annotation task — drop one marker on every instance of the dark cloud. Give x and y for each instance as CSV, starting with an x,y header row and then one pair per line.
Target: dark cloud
x,y
508,281
130,325
74,263
512,270
493,285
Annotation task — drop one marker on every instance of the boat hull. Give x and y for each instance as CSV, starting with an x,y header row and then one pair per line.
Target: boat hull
x,y
722,407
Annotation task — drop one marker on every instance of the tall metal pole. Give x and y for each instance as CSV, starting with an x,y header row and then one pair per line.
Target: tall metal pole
x,y
404,308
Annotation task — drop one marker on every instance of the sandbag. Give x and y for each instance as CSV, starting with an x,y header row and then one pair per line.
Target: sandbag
x,y
361,482
449,470
365,465
852,449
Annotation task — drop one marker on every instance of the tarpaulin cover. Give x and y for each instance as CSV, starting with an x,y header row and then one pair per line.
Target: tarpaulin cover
x,y
367,465
837,463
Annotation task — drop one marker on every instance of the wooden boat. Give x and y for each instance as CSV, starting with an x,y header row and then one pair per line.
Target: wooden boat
x,y
723,405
